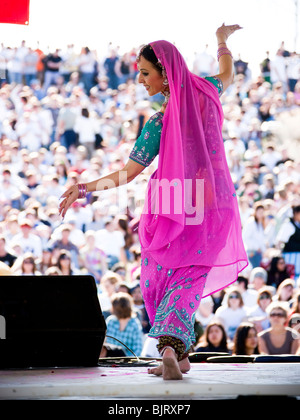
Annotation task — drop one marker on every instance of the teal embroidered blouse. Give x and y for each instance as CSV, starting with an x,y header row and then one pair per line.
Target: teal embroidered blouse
x,y
146,147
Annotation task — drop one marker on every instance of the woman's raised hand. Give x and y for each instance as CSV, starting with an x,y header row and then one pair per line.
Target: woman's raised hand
x,y
224,32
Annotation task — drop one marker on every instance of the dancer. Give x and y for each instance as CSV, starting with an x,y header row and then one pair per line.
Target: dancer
x,y
190,230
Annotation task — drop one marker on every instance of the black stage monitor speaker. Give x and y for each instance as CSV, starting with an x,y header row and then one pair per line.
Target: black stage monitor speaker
x,y
50,321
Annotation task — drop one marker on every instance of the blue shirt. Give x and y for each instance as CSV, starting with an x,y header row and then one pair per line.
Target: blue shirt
x,y
131,336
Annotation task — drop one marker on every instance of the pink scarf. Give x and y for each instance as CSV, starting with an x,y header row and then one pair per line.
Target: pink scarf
x,y
191,214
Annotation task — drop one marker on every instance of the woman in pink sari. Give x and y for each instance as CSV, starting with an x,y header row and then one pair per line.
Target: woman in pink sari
x,y
190,230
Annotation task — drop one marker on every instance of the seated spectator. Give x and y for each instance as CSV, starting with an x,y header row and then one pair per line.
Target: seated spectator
x,y
64,243
25,266
233,314
121,269
109,285
64,263
112,242
285,291
5,256
214,339
277,271
249,295
245,340
139,307
258,315
288,239
258,278
124,325
45,261
29,241
205,312
254,235
295,309
92,258
278,339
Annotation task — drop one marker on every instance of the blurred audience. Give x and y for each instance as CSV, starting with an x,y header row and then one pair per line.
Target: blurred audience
x,y
70,116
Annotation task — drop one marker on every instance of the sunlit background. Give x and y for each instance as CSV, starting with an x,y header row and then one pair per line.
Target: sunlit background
x,y
190,24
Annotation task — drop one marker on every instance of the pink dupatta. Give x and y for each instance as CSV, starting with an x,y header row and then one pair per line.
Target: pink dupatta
x,y
191,215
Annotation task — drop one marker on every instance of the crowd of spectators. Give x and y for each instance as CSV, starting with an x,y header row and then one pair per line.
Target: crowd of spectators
x,y
67,118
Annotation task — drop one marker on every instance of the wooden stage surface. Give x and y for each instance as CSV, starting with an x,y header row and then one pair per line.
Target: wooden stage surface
x,y
204,381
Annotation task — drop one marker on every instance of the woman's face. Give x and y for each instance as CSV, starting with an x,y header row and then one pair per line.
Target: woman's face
x,y
65,261
234,300
264,301
215,335
281,264
251,340
28,265
259,213
151,78
277,317
286,292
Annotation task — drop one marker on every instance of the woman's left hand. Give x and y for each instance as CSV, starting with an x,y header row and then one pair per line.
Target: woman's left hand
x,y
224,32
70,196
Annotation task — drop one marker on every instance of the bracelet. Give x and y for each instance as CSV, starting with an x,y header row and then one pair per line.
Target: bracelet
x,y
82,190
223,51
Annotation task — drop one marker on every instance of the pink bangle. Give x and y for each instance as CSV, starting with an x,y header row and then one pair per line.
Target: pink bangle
x,y
82,190
223,51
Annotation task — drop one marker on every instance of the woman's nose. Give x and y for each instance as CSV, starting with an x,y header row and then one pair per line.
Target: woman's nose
x,y
140,78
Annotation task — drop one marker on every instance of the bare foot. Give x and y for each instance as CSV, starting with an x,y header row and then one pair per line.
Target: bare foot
x,y
171,368
184,366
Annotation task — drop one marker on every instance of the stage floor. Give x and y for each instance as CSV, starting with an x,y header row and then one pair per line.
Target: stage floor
x,y
204,381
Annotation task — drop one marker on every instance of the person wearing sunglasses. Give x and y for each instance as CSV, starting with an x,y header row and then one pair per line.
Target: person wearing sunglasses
x,y
232,314
258,315
278,339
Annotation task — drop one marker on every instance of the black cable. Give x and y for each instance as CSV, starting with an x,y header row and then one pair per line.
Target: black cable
x,y
125,346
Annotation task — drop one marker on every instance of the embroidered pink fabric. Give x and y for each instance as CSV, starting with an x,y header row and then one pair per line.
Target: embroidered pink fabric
x,y
191,215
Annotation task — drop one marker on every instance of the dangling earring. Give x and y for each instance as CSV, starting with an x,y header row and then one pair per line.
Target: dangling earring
x,y
166,91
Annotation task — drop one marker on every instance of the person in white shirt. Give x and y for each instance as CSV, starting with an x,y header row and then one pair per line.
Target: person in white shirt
x,y
249,296
233,314
257,314
254,235
270,157
87,64
28,241
112,242
87,127
278,68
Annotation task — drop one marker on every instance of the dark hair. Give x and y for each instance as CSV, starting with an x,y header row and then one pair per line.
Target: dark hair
x,y
296,209
274,262
244,280
258,205
148,53
63,253
240,337
223,343
122,305
85,112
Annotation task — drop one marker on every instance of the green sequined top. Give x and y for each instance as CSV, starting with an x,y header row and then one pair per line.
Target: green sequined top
x,y
146,147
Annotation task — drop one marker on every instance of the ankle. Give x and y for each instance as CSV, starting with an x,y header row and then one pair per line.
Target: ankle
x,y
169,350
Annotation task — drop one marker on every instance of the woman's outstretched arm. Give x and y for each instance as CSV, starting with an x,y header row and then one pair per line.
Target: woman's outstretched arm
x,y
113,180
